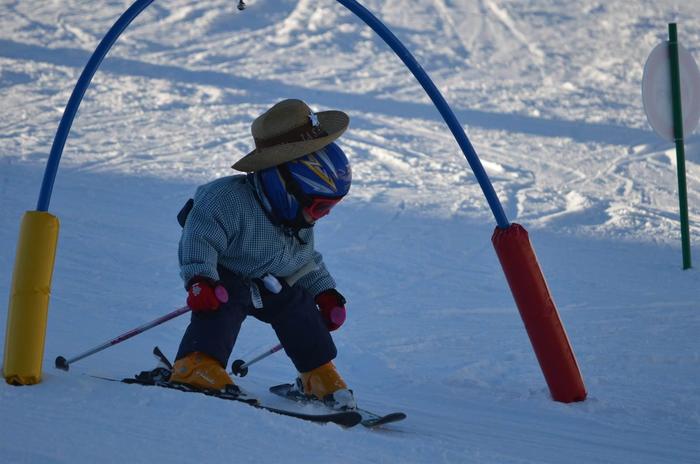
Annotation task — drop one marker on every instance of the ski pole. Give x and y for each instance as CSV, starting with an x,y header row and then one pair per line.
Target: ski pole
x,y
240,367
64,364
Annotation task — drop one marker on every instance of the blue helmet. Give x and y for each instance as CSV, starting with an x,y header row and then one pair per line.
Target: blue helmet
x,y
325,173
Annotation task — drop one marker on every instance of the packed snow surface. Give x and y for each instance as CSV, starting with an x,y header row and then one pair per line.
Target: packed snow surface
x,y
549,93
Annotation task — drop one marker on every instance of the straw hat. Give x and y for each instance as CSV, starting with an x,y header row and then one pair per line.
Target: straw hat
x,y
290,130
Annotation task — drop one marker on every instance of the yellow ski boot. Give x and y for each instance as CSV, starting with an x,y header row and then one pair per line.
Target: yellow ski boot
x,y
199,370
327,385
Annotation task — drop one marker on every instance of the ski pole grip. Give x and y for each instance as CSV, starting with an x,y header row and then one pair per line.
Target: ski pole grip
x,y
337,316
221,294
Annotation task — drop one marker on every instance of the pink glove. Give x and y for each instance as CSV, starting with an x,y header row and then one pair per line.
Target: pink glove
x,y
332,306
204,294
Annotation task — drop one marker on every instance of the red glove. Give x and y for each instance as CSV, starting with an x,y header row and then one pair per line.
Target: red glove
x,y
332,306
205,295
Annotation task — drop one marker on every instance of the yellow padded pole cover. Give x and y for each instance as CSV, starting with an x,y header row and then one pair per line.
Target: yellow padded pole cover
x,y
29,298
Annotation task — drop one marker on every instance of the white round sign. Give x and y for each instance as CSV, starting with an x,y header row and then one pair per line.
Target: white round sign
x,y
656,91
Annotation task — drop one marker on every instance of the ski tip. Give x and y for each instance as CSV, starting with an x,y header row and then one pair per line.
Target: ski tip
x,y
383,420
62,363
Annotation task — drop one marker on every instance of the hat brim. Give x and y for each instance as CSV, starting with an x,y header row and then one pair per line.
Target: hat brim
x,y
334,123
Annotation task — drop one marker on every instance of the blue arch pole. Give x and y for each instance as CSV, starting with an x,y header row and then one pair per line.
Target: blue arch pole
x,y
76,97
439,101
375,24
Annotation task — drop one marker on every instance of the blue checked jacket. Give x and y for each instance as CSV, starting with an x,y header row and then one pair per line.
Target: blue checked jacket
x,y
228,226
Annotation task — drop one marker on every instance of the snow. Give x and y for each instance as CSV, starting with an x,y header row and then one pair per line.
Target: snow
x,y
549,93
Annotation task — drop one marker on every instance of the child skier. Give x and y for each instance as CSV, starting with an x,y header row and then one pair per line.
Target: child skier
x,y
247,248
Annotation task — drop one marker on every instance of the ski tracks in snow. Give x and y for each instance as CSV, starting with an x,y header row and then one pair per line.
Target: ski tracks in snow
x,y
483,27
502,15
222,68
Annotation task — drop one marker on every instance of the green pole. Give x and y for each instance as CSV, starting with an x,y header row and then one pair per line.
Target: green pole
x,y
678,137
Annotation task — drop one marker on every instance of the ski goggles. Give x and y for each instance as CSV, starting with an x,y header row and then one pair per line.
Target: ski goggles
x,y
314,207
320,207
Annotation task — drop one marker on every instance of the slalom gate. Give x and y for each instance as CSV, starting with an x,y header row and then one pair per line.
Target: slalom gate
x,y
29,298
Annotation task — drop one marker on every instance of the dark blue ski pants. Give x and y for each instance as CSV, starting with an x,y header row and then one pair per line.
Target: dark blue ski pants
x,y
291,312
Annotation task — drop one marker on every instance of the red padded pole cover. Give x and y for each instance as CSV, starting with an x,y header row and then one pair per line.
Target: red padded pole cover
x,y
539,314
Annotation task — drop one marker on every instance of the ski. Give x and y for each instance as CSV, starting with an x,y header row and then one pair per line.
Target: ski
x,y
369,419
157,378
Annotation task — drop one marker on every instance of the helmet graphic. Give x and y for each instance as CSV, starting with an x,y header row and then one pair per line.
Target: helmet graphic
x,y
325,173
